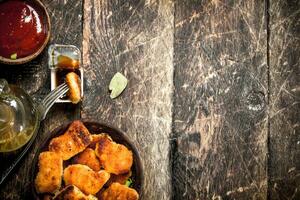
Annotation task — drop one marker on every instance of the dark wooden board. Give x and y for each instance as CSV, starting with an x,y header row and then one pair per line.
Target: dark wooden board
x,y
34,77
135,38
212,109
220,96
284,146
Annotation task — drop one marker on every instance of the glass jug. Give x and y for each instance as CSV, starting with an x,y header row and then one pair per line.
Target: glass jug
x,y
18,117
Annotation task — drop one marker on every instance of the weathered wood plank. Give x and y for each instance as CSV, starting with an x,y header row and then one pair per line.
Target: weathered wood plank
x,y
284,162
220,112
34,77
134,38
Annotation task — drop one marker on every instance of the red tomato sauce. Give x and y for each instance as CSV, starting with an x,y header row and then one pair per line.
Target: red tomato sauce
x,y
23,28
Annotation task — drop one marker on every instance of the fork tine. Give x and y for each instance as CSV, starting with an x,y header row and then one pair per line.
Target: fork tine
x,y
50,99
55,96
53,93
56,90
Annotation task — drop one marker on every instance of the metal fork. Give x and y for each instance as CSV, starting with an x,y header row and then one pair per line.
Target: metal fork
x,y
50,99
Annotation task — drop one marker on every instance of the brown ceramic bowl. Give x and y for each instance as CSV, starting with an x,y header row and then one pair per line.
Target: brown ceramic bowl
x,y
46,22
94,128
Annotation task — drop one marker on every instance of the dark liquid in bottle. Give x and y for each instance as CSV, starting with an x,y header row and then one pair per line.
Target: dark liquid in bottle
x,y
61,78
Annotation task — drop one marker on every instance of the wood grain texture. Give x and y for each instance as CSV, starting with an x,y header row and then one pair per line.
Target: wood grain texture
x,y
135,38
34,77
220,97
284,43
213,89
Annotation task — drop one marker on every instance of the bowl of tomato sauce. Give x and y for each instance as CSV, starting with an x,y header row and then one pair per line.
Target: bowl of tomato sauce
x,y
24,30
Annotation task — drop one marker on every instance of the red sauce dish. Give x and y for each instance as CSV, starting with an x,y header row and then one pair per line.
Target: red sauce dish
x,y
24,30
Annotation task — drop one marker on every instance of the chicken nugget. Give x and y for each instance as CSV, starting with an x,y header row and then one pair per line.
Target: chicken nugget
x,y
73,82
47,197
49,176
89,158
115,158
72,142
119,192
71,192
97,137
85,178
121,178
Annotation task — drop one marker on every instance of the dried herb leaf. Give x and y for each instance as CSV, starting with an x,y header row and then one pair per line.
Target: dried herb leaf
x,y
13,56
117,84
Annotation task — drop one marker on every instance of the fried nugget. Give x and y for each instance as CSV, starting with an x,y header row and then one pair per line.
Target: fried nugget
x,y
97,137
122,178
85,178
115,158
47,197
49,177
72,142
120,192
71,192
73,82
89,158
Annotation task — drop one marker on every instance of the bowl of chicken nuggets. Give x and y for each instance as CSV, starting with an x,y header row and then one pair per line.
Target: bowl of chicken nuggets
x,y
87,161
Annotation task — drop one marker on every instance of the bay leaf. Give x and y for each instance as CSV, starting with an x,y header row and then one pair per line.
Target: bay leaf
x,y
117,85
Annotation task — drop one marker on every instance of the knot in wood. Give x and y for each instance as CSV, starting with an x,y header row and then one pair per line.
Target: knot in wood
x,y
255,101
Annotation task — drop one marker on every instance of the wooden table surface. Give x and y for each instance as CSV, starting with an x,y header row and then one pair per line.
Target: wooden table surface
x,y
212,102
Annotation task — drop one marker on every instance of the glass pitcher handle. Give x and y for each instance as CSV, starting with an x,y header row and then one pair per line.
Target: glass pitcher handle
x,y
4,87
